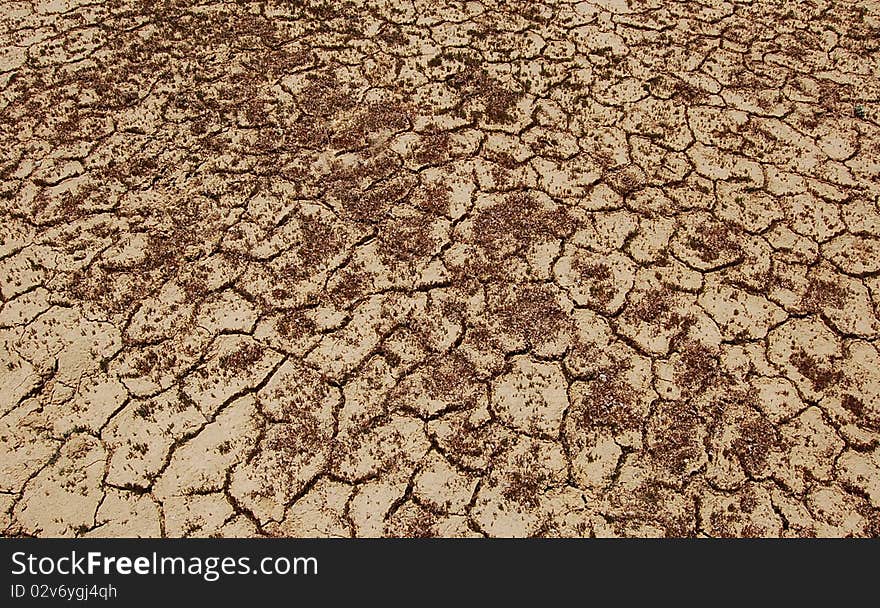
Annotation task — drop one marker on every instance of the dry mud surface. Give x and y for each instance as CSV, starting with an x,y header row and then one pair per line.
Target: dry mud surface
x,y
458,269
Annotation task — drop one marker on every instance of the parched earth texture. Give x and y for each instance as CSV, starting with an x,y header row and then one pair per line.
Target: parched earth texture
x,y
486,268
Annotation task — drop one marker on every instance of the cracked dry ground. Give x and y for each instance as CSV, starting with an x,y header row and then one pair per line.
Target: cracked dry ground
x,y
463,269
